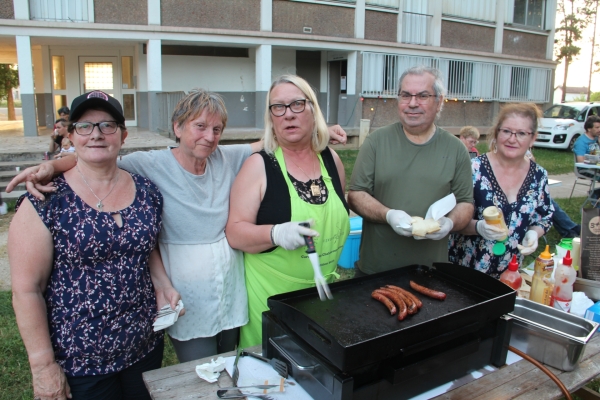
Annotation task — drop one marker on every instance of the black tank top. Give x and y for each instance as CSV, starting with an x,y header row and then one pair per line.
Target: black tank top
x,y
276,207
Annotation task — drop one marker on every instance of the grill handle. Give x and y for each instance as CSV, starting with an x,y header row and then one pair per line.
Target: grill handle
x,y
290,359
446,337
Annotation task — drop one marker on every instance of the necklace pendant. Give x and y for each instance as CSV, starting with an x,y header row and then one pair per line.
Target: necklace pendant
x,y
315,189
100,205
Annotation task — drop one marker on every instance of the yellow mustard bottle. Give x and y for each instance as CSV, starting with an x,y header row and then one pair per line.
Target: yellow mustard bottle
x,y
541,286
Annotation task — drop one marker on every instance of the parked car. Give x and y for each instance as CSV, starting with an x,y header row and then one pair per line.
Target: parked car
x,y
562,124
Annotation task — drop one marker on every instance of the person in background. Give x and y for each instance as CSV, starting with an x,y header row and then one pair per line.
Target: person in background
x,y
505,178
588,142
64,112
402,169
295,178
195,179
469,135
86,298
58,134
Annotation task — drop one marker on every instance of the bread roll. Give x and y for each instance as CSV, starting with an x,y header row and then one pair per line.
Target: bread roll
x,y
422,227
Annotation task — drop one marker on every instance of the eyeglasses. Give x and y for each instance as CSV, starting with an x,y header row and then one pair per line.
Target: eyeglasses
x,y
86,128
422,98
507,133
296,106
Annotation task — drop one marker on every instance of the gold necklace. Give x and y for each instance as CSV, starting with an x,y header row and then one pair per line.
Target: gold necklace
x,y
99,205
315,190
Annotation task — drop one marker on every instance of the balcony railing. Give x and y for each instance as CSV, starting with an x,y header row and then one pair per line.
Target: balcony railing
x,y
59,10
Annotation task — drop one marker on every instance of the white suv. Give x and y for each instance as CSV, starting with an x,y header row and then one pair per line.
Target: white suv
x,y
563,124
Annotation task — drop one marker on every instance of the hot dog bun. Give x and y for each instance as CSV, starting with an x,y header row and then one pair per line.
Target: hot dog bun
x,y
422,227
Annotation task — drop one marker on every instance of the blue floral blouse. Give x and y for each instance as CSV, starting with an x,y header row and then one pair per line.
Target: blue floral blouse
x,y
100,299
532,208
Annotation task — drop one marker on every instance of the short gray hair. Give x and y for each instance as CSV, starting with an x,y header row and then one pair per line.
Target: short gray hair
x,y
438,84
194,103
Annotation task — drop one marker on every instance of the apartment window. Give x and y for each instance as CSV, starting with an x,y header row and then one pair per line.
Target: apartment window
x,y
460,78
529,13
519,83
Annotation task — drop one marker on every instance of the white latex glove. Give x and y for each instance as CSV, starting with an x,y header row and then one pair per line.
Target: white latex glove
x,y
488,231
396,218
530,243
446,226
289,234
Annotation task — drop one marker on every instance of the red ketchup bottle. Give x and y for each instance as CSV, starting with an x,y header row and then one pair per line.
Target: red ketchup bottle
x,y
511,276
564,277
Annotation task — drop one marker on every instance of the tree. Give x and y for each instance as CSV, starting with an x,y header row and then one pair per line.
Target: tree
x,y
568,33
592,8
9,79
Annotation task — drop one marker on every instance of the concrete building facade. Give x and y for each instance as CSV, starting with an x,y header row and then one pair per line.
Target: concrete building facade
x,y
147,53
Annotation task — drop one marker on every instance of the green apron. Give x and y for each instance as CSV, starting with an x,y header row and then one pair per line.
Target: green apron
x,y
283,270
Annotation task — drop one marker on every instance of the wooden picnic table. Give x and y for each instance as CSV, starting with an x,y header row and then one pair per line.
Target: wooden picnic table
x,y
521,380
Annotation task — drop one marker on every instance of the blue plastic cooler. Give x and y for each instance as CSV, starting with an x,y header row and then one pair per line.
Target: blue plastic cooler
x,y
350,251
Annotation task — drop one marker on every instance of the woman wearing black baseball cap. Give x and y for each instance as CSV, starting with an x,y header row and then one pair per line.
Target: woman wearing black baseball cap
x,y
86,298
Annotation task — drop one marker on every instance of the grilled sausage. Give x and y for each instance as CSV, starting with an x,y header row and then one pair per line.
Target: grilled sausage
x,y
387,302
408,294
410,304
434,294
398,301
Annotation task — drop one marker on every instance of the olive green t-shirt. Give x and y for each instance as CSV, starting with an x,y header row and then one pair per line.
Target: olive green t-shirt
x,y
406,176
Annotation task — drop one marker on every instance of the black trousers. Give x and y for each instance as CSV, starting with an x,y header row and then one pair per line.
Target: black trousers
x,y
123,385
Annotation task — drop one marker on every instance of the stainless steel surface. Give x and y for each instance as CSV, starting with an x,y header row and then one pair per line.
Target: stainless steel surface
x,y
279,366
551,336
589,287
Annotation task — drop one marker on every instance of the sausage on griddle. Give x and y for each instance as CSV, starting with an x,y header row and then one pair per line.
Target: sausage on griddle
x,y
385,300
398,301
408,294
410,304
434,294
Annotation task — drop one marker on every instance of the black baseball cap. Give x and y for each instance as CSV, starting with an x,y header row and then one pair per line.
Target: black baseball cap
x,y
96,99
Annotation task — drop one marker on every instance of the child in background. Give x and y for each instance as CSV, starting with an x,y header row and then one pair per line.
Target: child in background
x,y
66,148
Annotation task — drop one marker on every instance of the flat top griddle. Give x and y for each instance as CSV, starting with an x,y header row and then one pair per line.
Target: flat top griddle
x,y
354,324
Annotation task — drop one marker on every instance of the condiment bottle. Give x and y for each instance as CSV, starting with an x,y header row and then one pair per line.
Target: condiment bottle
x,y
493,216
564,278
541,285
511,276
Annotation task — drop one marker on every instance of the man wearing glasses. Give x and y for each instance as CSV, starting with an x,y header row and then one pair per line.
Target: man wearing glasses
x,y
401,170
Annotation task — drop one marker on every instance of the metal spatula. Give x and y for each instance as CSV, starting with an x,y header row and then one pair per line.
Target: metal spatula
x,y
279,366
320,282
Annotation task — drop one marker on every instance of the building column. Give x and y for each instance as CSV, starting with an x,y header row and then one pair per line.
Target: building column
x,y
263,81
399,26
42,72
154,68
26,83
21,9
436,23
154,12
550,25
500,18
359,19
266,15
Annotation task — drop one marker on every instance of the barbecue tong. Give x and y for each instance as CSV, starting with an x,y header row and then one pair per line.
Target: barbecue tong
x,y
322,286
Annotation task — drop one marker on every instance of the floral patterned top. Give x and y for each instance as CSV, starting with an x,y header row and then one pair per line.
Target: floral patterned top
x,y
532,208
100,299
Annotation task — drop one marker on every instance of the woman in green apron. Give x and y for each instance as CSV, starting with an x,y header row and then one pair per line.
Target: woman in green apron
x,y
296,178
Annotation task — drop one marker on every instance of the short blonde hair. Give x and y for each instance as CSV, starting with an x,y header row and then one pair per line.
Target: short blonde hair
x,y
469,131
320,135
525,110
